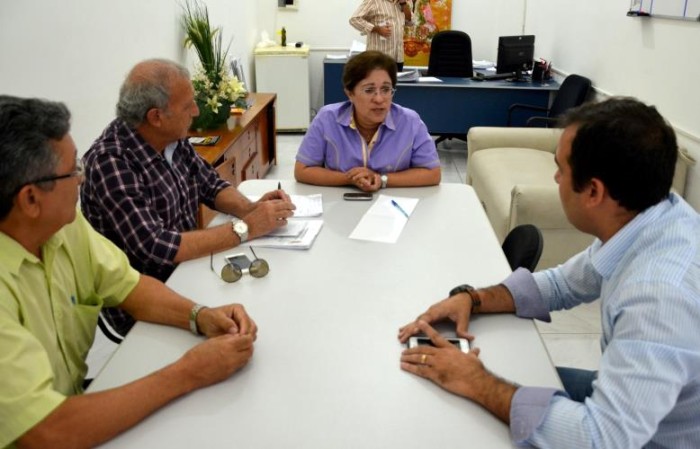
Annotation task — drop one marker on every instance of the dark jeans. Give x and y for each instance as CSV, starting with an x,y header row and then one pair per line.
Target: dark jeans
x,y
578,383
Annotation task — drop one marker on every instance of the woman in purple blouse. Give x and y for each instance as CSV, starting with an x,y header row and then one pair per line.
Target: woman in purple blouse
x,y
368,142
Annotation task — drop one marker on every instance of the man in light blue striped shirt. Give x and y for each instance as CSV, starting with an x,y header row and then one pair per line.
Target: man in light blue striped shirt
x,y
615,167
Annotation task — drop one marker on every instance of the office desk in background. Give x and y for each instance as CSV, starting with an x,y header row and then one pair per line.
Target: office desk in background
x,y
325,373
455,104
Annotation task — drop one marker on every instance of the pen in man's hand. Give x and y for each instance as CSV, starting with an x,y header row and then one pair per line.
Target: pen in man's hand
x,y
396,205
279,185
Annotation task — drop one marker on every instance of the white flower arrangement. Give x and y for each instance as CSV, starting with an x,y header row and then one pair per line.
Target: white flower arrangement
x,y
224,87
215,89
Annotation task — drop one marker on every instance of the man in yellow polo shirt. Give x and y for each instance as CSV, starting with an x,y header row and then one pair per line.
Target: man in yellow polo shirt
x,y
56,273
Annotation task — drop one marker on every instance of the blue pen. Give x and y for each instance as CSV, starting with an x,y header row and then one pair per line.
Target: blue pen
x,y
396,205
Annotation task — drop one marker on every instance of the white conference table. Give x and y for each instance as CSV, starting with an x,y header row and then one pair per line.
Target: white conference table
x,y
325,373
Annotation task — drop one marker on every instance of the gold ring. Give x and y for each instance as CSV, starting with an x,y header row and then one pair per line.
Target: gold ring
x,y
422,359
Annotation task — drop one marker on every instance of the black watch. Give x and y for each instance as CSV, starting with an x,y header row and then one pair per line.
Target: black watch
x,y
466,288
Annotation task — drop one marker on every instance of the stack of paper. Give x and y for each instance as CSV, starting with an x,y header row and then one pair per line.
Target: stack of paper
x,y
408,76
483,64
301,236
297,234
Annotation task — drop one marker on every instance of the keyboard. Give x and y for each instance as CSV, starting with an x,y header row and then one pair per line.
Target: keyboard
x,y
493,76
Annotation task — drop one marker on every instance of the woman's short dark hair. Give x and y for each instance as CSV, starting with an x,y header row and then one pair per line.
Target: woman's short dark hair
x,y
27,127
360,66
628,146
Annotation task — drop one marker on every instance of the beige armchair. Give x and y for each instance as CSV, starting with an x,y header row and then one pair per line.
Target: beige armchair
x,y
514,180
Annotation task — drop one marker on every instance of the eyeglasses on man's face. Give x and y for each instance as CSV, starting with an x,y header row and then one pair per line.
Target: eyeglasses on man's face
x,y
384,91
79,172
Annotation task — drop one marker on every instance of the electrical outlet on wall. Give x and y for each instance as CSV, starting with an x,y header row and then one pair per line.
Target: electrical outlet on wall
x,y
288,4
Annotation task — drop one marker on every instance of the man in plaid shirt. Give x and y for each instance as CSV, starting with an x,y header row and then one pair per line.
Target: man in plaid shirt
x,y
144,182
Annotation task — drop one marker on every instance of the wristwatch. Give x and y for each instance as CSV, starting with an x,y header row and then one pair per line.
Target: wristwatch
x,y
466,288
240,228
384,179
193,318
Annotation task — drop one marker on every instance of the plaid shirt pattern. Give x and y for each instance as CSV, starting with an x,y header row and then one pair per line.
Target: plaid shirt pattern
x,y
141,202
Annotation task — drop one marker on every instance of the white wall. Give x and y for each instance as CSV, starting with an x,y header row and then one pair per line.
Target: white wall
x,y
654,60
78,51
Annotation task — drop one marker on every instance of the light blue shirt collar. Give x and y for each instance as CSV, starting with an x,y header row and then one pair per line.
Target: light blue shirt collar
x,y
606,257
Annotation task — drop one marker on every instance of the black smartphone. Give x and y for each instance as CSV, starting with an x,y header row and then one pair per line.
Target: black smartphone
x,y
358,196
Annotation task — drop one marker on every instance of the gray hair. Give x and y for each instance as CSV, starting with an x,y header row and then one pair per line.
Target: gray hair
x,y
147,86
27,127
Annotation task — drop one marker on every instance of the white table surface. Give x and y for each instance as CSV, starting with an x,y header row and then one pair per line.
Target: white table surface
x,y
325,373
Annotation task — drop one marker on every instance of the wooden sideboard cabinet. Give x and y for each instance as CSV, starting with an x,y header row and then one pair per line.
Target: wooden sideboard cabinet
x,y
246,148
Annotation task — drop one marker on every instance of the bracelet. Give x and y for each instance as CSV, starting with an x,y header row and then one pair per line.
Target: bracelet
x,y
193,318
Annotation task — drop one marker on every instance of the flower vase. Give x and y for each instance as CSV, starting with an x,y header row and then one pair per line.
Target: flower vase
x,y
208,119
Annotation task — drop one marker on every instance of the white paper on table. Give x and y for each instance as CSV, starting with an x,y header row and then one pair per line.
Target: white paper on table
x,y
307,205
293,229
429,79
383,222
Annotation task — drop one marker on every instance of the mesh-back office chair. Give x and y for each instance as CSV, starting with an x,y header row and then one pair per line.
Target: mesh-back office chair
x,y
573,92
450,55
523,247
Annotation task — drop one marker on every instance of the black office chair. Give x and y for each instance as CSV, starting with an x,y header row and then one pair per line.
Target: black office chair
x,y
523,247
108,331
450,55
573,92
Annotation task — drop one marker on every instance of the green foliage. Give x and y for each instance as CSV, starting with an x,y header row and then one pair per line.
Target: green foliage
x,y
206,41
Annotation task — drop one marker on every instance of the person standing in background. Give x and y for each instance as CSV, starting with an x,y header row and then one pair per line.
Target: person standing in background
x,y
383,22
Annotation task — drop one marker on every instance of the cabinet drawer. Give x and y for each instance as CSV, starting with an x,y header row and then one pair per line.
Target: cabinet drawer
x,y
252,168
227,169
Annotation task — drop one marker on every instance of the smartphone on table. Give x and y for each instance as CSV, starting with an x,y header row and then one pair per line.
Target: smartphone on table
x,y
240,260
460,343
358,196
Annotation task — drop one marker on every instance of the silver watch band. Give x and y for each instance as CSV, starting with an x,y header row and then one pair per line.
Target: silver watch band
x,y
193,318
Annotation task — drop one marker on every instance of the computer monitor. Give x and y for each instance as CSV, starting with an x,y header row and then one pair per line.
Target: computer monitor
x,y
515,55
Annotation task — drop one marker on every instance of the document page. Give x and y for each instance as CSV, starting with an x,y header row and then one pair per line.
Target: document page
x,y
307,205
385,219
